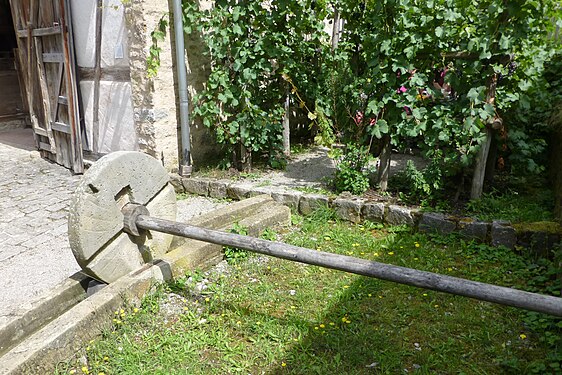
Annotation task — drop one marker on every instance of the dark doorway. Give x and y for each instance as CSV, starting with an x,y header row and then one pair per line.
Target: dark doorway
x,y
12,106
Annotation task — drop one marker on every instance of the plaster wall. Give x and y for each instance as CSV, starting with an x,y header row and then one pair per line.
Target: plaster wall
x,y
116,126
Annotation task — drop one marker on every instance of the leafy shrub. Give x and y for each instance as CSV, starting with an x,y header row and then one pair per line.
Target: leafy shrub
x,y
352,172
234,254
415,186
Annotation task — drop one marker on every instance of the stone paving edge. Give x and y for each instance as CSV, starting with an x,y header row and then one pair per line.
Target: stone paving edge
x,y
356,209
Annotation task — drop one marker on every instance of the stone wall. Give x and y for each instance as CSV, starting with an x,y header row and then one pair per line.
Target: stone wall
x,y
156,100
153,98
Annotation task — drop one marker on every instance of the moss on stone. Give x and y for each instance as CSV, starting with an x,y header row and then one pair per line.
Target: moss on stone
x,y
550,227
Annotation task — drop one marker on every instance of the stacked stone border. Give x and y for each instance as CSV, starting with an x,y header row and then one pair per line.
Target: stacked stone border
x,y
356,210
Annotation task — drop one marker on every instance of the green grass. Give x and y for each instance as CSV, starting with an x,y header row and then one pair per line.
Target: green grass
x,y
512,206
269,316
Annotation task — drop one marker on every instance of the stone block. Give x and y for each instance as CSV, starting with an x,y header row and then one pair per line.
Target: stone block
x,y
196,186
217,189
435,222
238,191
503,234
311,202
474,230
373,212
349,208
175,180
287,198
399,215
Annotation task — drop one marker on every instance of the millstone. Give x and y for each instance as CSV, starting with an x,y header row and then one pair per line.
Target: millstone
x,y
95,224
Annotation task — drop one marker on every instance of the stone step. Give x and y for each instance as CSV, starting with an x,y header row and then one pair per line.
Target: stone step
x,y
256,214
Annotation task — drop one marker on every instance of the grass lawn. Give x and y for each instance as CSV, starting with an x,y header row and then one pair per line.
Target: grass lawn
x,y
261,315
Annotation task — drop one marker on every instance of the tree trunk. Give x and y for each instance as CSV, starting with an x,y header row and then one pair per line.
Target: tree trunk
x,y
491,162
287,129
384,166
480,168
336,30
482,158
242,156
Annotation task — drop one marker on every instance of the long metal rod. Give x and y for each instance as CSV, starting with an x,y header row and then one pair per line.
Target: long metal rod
x,y
185,162
428,280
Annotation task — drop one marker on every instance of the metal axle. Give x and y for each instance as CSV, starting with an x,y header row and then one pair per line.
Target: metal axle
x,y
423,279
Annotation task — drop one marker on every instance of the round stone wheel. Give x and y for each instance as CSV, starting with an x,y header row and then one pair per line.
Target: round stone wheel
x,y
95,223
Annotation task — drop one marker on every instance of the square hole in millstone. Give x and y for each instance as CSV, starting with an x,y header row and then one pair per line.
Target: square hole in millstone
x,y
124,196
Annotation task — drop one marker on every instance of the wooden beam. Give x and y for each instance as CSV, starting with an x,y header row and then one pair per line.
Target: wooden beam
x,y
422,279
54,30
60,127
115,74
53,58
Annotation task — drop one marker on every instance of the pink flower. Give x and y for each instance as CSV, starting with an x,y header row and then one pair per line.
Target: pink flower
x,y
358,118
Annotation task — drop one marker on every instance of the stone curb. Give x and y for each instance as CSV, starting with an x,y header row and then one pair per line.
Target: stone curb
x,y
356,210
64,335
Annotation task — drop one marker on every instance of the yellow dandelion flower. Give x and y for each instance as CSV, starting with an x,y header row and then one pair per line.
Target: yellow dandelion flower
x,y
322,326
101,373
376,254
391,253
106,358
435,306
416,258
238,322
72,372
207,299
135,310
85,370
316,328
293,307
346,286
416,244
523,336
122,311
283,364
370,295
425,294
449,269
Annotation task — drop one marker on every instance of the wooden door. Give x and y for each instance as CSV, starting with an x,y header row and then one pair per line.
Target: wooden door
x,y
47,61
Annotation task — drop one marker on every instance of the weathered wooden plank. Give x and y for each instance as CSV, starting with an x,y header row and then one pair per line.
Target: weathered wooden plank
x,y
422,279
44,31
44,91
115,74
63,100
60,127
40,131
53,58
45,146
75,137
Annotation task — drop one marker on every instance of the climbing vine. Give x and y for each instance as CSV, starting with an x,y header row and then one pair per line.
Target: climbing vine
x,y
257,51
435,75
